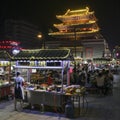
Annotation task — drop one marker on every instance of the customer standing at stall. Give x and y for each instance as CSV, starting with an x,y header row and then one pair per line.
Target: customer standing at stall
x,y
100,82
18,91
50,79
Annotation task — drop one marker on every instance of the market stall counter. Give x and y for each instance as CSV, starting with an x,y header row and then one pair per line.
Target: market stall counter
x,y
46,98
58,100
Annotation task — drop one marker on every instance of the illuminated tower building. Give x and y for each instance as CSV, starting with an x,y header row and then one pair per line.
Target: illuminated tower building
x,y
79,31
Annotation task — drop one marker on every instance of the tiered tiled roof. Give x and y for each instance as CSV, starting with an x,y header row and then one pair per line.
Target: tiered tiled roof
x,y
82,22
44,54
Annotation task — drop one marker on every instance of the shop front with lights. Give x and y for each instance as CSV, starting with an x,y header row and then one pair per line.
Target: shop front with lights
x,y
5,75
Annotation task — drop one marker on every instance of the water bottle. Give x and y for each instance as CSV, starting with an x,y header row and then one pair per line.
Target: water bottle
x,y
42,108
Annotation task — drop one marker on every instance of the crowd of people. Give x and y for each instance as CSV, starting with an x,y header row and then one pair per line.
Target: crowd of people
x,y
87,75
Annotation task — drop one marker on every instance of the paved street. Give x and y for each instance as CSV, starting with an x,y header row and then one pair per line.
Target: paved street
x,y
99,108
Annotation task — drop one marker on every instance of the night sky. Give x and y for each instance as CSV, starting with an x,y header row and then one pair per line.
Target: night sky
x,y
43,14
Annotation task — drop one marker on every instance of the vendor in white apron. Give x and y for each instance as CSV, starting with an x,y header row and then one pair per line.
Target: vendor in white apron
x,y
19,92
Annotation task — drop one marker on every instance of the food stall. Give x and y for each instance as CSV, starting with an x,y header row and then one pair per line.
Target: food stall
x,y
36,66
5,75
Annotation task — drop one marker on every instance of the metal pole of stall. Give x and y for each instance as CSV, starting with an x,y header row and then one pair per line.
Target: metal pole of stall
x,y
62,76
68,73
75,40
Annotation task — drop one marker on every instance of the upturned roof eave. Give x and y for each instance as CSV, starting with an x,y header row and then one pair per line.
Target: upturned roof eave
x,y
45,55
72,33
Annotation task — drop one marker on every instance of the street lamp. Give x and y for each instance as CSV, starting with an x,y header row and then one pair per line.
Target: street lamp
x,y
40,36
75,52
